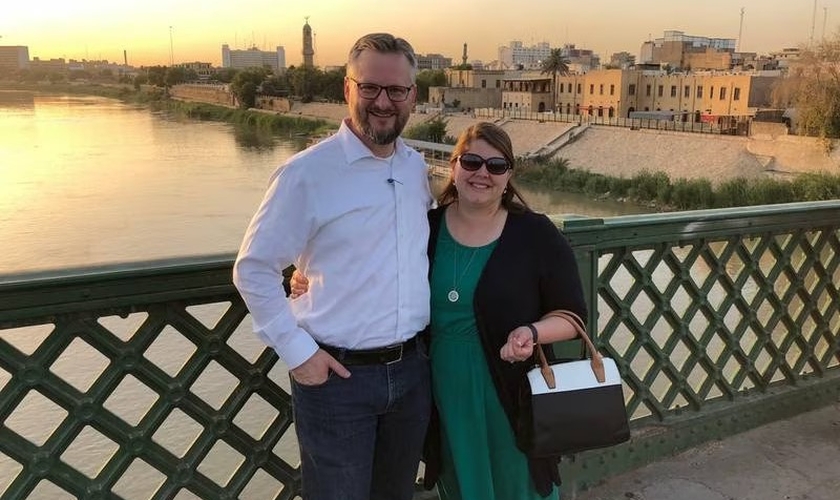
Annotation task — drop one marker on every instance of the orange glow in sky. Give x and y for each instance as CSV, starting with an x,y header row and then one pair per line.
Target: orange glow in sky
x,y
152,31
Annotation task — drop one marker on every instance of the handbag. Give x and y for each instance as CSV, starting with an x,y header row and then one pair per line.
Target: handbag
x,y
575,405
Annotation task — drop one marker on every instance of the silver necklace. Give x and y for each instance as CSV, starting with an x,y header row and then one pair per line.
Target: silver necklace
x,y
453,294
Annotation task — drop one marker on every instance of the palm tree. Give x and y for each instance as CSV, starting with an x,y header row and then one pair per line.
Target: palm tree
x,y
555,64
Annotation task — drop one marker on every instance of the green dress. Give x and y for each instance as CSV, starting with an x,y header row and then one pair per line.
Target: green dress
x,y
479,455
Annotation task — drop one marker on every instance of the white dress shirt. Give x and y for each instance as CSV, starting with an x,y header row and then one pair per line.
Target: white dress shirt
x,y
356,226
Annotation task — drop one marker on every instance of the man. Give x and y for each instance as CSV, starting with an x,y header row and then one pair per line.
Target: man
x,y
350,213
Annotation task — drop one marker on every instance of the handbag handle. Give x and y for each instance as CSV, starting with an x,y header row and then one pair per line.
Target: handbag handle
x,y
596,360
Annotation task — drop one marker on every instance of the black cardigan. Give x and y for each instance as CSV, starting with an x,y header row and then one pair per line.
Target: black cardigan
x,y
531,271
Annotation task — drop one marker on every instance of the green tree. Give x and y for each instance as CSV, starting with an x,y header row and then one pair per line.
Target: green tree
x,y
812,87
303,81
429,78
555,64
245,84
331,84
225,75
156,75
433,130
176,75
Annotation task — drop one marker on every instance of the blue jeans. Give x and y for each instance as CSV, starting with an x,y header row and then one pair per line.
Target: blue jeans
x,y
361,438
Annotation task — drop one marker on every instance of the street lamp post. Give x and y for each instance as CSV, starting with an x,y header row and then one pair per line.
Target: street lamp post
x,y
171,52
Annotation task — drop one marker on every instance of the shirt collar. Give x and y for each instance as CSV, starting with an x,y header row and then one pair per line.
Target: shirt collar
x,y
354,149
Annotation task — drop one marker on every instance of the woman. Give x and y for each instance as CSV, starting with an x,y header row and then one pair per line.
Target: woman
x,y
496,268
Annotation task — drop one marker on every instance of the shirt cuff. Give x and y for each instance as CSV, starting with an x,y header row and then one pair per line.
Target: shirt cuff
x,y
297,347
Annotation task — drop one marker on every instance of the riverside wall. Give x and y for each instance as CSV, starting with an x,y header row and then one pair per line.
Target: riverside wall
x,y
207,93
623,152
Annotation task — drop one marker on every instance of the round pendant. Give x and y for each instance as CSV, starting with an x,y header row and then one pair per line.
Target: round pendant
x,y
452,295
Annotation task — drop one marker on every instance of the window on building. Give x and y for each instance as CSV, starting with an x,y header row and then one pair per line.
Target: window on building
x,y
568,108
591,88
699,91
723,93
483,84
601,89
631,90
569,88
498,83
600,111
612,89
673,91
611,112
660,91
578,88
648,90
687,91
711,92
577,109
736,94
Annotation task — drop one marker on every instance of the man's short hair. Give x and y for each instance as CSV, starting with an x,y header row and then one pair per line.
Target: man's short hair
x,y
385,43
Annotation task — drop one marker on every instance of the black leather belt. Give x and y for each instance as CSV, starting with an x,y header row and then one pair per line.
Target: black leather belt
x,y
376,356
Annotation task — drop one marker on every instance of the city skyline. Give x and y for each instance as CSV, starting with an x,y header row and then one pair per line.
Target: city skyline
x,y
156,32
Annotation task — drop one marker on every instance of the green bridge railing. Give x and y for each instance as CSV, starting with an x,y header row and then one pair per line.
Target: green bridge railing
x,y
145,380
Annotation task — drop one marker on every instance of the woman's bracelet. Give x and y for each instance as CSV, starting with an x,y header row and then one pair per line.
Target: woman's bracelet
x,y
534,334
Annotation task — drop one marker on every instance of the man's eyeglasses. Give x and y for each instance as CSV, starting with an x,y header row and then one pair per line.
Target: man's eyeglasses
x,y
396,93
472,162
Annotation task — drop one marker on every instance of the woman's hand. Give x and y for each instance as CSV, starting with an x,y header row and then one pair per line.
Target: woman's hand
x,y
298,284
519,345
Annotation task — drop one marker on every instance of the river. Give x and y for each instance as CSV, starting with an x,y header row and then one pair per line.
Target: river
x,y
87,181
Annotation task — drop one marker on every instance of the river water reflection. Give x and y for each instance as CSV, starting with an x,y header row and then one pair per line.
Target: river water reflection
x,y
87,181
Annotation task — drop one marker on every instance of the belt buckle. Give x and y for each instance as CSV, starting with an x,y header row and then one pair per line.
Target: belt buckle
x,y
398,358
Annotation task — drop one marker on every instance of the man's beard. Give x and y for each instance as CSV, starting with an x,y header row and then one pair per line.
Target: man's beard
x,y
381,137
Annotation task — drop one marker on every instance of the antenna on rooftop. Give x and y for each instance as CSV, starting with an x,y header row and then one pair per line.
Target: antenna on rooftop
x,y
740,31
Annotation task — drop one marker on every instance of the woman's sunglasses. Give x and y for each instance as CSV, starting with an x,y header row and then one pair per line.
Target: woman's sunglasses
x,y
472,162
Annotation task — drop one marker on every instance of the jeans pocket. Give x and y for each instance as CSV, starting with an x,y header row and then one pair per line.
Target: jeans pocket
x,y
330,376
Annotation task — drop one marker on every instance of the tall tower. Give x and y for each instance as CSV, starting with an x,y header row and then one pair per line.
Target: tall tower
x,y
308,51
464,56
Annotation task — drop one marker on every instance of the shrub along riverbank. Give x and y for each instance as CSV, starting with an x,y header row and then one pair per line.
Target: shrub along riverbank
x,y
653,189
156,98
656,189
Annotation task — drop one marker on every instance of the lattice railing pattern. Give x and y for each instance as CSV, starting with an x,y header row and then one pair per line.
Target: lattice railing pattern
x,y
149,383
164,399
695,314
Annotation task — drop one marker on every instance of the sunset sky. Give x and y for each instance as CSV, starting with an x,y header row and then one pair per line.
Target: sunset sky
x,y
94,29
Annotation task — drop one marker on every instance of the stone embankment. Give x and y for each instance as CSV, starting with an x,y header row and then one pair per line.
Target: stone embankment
x,y
622,152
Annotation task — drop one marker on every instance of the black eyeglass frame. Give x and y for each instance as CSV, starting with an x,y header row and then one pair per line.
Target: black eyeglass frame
x,y
496,165
379,88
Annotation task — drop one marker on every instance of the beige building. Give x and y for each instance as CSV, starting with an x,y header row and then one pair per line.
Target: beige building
x,y
687,52
465,97
690,96
478,79
14,57
527,93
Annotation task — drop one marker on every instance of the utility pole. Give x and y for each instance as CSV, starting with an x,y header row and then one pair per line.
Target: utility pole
x,y
740,31
825,20
171,51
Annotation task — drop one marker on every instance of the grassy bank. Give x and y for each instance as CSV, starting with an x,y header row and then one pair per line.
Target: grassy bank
x,y
656,189
269,122
156,99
